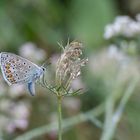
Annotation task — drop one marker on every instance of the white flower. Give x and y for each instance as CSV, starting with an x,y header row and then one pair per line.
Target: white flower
x,y
31,51
20,124
20,110
16,90
122,25
114,52
19,113
109,31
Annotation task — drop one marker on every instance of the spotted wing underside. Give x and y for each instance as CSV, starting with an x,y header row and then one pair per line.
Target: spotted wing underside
x,y
16,69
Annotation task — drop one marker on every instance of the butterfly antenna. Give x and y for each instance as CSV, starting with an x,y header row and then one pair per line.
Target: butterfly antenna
x,y
46,63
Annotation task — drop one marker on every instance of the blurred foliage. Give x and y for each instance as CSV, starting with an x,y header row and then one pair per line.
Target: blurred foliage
x,y
46,22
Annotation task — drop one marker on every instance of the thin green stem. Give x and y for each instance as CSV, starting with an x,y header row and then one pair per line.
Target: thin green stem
x,y
59,98
67,123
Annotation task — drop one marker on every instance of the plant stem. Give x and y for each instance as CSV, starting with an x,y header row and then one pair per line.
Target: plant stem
x,y
67,123
112,121
59,98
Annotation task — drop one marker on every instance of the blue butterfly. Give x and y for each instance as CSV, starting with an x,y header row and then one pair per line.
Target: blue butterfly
x,y
18,70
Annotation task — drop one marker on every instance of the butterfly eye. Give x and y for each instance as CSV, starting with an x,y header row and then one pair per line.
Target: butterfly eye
x,y
43,68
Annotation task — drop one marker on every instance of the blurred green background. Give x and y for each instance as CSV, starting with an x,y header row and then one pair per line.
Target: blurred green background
x,y
32,29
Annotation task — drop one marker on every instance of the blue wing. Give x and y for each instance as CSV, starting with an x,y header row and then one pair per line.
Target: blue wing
x,y
31,88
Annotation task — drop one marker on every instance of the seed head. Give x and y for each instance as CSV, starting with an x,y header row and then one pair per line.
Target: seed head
x,y
69,64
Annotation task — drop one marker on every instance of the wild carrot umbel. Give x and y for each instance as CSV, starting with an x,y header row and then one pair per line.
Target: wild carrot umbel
x,y
68,68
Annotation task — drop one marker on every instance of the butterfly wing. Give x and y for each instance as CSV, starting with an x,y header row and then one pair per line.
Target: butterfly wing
x,y
16,69
31,88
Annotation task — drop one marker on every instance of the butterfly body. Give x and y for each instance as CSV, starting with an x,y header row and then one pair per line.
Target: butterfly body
x,y
18,70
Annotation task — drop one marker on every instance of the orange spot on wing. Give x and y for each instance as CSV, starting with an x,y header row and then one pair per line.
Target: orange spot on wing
x,y
8,71
7,67
12,80
10,76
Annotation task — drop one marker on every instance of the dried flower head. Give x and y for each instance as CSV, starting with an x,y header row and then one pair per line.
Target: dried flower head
x,y
69,64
